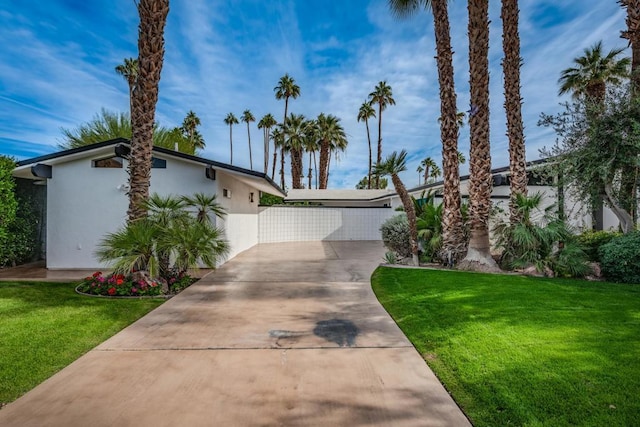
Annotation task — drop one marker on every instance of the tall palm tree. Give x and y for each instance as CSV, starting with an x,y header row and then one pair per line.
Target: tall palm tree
x,y
190,129
392,166
428,164
420,169
286,88
435,172
247,117
453,240
129,70
278,142
364,114
266,123
480,179
153,17
383,96
513,106
311,146
231,120
593,72
330,134
295,135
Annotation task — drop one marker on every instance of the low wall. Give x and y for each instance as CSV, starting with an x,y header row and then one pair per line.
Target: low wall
x,y
308,223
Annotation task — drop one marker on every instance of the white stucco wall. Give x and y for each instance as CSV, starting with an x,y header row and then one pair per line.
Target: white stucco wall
x,y
302,223
84,203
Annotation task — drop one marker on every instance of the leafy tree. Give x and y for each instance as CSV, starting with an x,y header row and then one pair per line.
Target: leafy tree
x,y
266,123
247,117
513,105
453,246
363,184
286,88
393,166
383,96
231,120
8,206
364,114
153,17
594,151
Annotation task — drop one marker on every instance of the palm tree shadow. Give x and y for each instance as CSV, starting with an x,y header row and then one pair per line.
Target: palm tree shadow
x,y
339,331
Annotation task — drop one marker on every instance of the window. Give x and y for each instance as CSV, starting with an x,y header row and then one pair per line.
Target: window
x,y
114,162
158,163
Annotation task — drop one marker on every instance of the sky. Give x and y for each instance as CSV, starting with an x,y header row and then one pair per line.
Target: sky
x,y
58,57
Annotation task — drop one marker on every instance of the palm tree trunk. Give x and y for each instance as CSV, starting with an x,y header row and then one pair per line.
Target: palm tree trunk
x,y
153,17
513,105
480,181
250,157
379,157
231,141
453,242
265,133
324,163
366,122
284,131
315,167
409,209
310,171
275,161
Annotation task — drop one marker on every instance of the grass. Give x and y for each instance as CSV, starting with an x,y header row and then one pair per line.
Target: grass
x,y
523,351
46,326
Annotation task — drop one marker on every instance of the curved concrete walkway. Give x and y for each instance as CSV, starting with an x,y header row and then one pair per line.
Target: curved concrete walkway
x,y
286,334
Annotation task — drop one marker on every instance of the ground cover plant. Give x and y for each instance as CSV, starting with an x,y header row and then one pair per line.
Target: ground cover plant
x,y
46,326
515,350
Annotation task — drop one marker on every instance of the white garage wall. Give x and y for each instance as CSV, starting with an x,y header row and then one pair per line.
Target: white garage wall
x,y
302,223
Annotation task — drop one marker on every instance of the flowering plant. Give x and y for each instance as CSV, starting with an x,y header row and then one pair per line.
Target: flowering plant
x,y
117,285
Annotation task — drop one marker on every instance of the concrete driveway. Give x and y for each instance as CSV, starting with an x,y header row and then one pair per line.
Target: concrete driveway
x,y
286,334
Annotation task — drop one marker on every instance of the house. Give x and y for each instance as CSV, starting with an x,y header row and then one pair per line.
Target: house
x,y
86,196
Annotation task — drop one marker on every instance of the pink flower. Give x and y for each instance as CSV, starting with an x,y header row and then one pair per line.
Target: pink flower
x,y
111,291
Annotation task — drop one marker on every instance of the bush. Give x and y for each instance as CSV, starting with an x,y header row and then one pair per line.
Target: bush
x,y
395,235
591,241
619,258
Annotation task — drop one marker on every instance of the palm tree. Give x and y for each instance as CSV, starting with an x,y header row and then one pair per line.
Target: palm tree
x,y
278,142
383,96
231,120
190,129
420,169
393,165
435,172
205,205
247,117
480,179
365,113
330,135
311,146
453,241
129,70
593,72
286,88
266,123
428,164
153,17
513,106
295,135
461,158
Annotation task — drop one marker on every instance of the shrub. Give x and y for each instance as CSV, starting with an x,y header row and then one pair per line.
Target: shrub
x,y
619,258
395,235
591,241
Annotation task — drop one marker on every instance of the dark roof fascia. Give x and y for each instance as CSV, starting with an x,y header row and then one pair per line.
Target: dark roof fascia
x,y
71,151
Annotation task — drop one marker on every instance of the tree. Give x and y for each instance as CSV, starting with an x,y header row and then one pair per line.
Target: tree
x,y
278,142
247,117
383,96
205,205
593,72
453,241
231,120
478,255
129,70
420,169
295,135
330,135
364,114
8,207
266,123
364,182
311,146
595,150
153,17
190,129
428,164
435,172
393,165
286,88
513,106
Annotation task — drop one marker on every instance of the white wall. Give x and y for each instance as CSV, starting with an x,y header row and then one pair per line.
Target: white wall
x,y
84,203
303,223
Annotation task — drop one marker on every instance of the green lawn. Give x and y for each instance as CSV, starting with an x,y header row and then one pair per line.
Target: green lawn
x,y
523,351
46,326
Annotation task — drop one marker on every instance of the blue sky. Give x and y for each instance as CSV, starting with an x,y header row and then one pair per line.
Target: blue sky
x,y
58,57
